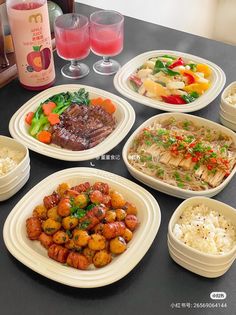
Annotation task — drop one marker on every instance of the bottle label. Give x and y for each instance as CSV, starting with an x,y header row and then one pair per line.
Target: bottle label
x,y
32,43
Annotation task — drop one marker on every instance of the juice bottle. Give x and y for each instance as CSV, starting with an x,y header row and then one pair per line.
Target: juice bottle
x,y
30,31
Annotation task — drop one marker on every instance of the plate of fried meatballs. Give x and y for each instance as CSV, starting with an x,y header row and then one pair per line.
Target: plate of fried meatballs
x,y
83,227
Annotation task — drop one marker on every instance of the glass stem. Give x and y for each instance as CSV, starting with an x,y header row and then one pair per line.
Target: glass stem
x,y
106,60
74,65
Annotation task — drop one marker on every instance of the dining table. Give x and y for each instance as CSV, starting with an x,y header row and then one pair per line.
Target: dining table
x,y
156,285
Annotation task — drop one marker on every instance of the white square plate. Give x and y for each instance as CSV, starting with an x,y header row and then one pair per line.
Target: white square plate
x,y
124,115
34,256
121,82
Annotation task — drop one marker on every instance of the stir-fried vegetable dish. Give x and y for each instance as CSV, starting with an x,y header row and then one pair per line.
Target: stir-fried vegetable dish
x,y
171,79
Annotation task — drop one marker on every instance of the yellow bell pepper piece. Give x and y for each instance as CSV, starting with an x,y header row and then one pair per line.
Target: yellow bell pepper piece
x,y
200,88
155,88
204,69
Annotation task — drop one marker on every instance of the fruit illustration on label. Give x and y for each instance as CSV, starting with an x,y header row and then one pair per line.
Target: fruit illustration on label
x,y
39,59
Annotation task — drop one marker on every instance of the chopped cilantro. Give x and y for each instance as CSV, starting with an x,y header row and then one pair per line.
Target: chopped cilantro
x,y
188,178
84,225
186,124
196,166
68,232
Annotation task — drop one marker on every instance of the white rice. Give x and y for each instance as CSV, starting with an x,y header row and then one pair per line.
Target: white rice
x,y
231,98
206,230
9,159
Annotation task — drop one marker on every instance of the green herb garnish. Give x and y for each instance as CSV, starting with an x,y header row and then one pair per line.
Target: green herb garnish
x,y
160,66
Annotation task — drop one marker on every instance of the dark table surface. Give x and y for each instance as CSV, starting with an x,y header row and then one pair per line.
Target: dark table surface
x,y
156,282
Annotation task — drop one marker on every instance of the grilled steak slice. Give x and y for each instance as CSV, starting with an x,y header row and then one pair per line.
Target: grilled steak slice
x,y
82,127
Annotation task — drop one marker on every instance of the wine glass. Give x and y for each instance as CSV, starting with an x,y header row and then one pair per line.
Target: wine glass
x,y
106,39
72,43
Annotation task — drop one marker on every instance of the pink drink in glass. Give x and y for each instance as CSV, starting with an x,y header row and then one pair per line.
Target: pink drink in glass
x,y
73,44
106,42
106,39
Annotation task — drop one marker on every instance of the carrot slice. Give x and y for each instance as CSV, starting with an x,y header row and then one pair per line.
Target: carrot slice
x,y
29,117
44,136
53,118
109,106
48,108
96,101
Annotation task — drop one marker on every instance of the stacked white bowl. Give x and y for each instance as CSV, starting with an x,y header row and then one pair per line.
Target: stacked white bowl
x,y
206,265
15,179
228,106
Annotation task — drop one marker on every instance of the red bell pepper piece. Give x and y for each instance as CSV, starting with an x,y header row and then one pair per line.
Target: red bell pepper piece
x,y
136,80
173,99
178,62
190,77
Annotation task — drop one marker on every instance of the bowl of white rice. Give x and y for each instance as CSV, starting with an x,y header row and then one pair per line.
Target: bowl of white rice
x,y
228,100
14,166
202,236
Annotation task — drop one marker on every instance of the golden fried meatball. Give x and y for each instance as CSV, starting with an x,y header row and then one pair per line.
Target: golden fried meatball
x,y
97,242
101,258
71,245
130,208
89,254
51,226
40,212
117,200
63,207
62,188
128,235
98,229
120,214
81,238
60,237
53,214
110,216
69,223
45,240
117,245
81,200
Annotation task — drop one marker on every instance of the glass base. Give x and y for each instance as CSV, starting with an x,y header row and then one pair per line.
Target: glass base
x,y
106,66
75,70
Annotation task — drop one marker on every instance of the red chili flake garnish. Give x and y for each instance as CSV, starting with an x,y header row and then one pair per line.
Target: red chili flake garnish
x,y
210,167
192,145
195,159
179,137
213,160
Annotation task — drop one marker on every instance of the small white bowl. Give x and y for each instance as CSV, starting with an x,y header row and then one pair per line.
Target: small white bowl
x,y
196,269
228,116
13,181
16,187
226,106
206,265
227,123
